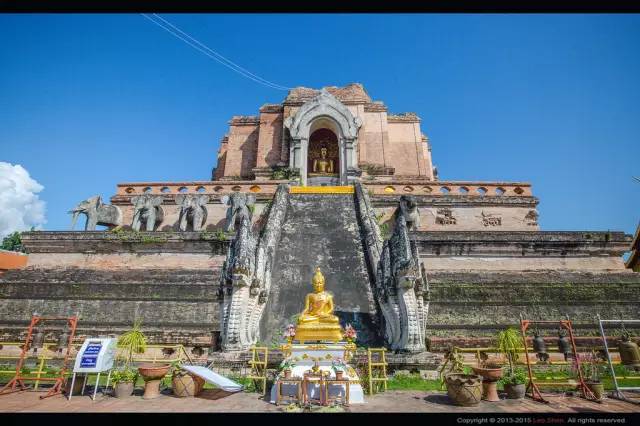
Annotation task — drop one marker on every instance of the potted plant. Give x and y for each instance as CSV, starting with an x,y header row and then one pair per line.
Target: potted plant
x,y
590,367
123,381
464,389
514,383
509,342
136,342
338,366
124,377
286,366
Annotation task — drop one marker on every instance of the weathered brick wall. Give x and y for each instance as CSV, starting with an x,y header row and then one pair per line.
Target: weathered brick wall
x,y
176,306
166,279
169,279
477,304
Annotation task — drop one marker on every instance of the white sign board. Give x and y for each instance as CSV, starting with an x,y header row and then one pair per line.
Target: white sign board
x,y
213,378
96,355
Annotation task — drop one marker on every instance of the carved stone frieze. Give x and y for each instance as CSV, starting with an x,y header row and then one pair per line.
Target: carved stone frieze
x,y
445,217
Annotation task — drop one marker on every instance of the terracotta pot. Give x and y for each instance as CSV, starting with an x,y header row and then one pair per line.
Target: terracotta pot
x,y
339,375
186,385
153,371
597,389
152,375
123,389
490,377
515,391
464,389
488,374
287,373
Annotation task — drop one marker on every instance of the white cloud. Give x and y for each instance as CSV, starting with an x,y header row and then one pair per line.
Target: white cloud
x,y
20,207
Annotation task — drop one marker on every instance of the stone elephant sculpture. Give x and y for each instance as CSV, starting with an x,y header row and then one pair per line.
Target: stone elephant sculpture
x,y
147,211
409,207
240,205
193,211
97,213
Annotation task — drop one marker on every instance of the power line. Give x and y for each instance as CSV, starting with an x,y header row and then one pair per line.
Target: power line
x,y
233,64
201,48
204,49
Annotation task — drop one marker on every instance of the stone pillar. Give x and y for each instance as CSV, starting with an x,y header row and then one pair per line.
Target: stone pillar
x,y
350,154
294,154
343,161
304,150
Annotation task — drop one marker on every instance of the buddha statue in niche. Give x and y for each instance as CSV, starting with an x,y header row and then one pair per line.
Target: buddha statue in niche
x,y
317,321
323,164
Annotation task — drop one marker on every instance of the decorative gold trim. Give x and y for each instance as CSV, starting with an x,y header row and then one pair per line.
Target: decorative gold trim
x,y
321,189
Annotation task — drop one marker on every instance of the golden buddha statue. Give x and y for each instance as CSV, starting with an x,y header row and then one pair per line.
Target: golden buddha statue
x,y
323,164
317,322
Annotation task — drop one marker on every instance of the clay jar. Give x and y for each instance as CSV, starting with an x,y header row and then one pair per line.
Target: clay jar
x,y
186,384
464,389
152,375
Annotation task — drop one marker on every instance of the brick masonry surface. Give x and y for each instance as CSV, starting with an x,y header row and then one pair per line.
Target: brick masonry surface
x,y
215,400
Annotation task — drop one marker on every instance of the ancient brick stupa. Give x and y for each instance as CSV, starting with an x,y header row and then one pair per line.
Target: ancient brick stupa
x,y
327,177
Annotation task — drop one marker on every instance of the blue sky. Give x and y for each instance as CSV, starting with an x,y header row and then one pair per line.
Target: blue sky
x,y
87,101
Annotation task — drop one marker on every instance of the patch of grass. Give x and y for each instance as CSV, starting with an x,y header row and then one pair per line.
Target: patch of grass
x,y
412,382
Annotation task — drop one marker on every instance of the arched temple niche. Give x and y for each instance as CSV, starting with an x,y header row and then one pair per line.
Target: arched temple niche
x,y
323,158
326,113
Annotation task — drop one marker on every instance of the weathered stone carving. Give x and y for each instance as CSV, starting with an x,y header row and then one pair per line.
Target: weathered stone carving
x,y
240,205
245,280
445,217
531,218
399,280
491,219
193,211
97,213
409,208
147,211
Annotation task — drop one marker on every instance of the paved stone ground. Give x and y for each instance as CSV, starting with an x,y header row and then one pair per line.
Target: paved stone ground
x,y
215,400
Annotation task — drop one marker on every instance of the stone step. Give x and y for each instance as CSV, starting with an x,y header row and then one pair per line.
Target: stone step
x,y
320,230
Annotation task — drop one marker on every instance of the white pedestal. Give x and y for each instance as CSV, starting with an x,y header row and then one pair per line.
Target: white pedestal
x,y
304,357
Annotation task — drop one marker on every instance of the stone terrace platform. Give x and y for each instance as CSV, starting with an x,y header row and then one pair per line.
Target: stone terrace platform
x,y
215,400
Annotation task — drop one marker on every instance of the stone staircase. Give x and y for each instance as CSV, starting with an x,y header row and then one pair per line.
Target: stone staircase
x,y
321,230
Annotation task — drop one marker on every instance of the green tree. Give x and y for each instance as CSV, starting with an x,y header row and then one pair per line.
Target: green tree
x,y
12,242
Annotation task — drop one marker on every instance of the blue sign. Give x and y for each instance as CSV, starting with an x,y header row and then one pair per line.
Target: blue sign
x,y
88,361
90,355
93,349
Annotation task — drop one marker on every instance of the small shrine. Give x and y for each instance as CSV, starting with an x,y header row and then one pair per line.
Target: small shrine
x,y
317,353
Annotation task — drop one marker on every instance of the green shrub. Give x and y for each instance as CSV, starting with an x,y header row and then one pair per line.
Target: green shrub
x,y
517,377
134,341
125,375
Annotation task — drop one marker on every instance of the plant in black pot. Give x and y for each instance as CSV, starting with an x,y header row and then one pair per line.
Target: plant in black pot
x,y
124,378
514,383
123,381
